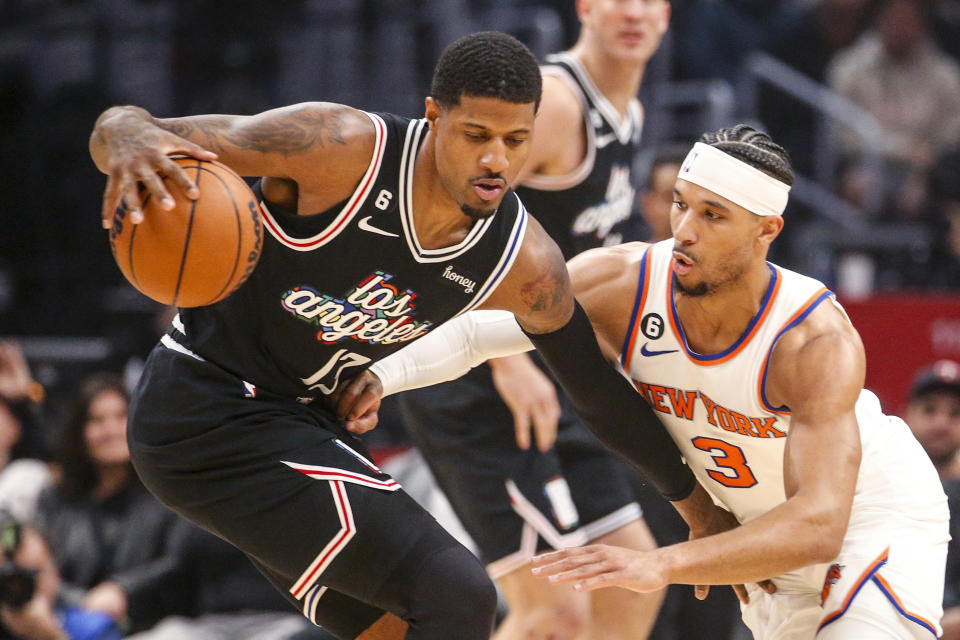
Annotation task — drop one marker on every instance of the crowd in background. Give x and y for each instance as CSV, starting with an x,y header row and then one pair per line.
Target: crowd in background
x,y
105,559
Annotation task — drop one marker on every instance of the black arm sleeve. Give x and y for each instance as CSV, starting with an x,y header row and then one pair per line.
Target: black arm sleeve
x,y
610,406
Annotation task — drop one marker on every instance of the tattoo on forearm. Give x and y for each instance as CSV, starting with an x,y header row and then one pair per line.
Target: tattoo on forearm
x,y
294,133
547,289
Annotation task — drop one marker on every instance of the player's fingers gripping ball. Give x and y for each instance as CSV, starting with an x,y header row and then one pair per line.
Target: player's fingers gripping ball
x,y
200,251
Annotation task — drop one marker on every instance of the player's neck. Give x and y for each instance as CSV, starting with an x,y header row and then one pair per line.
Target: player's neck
x,y
713,323
438,221
617,81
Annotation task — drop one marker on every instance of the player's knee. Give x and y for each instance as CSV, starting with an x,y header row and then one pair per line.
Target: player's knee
x,y
453,586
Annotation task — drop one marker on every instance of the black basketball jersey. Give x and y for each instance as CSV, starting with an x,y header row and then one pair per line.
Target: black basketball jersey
x,y
579,209
335,291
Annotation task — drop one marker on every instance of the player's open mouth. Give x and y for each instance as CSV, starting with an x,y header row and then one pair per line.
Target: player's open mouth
x,y
681,263
488,189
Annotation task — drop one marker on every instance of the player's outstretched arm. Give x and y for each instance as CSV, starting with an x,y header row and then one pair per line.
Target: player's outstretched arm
x,y
297,143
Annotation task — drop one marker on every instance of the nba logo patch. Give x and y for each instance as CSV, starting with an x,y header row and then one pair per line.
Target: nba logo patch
x,y
249,390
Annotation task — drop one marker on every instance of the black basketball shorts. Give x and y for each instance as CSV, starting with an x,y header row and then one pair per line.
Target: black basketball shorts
x,y
283,482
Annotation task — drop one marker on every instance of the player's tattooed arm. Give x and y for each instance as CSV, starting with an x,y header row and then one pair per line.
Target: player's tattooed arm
x,y
537,290
323,147
287,131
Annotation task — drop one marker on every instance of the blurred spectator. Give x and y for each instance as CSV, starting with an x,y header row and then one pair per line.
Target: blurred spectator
x,y
106,532
933,413
897,73
656,197
944,269
806,36
21,479
31,606
229,599
934,267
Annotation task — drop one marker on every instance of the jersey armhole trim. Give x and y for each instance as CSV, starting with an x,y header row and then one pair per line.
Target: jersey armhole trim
x,y
812,303
640,300
349,210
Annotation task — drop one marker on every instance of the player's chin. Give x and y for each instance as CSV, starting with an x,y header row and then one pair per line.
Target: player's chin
x,y
480,213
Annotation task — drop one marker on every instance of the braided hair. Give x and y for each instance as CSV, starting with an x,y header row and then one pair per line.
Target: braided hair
x,y
487,64
756,148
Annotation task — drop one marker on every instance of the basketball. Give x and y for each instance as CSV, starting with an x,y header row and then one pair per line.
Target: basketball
x,y
200,251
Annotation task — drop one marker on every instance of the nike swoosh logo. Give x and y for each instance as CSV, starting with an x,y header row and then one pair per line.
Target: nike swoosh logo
x,y
604,140
646,352
365,225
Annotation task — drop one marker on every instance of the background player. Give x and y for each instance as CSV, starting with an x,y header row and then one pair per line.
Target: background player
x,y
837,501
379,229
568,489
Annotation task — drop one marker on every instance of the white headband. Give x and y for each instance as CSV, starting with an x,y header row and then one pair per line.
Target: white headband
x,y
734,180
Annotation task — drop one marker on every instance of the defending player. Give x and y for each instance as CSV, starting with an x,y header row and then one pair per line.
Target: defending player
x,y
758,375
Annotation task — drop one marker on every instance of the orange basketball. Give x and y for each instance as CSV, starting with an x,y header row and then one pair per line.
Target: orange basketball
x,y
200,251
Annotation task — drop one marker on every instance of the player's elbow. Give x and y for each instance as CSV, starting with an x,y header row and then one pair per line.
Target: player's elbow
x,y
825,530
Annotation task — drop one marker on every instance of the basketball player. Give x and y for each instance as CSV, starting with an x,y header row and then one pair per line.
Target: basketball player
x,y
757,374
514,499
379,229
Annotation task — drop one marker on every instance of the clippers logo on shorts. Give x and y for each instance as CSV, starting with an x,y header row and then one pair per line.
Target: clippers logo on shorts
x,y
374,311
833,575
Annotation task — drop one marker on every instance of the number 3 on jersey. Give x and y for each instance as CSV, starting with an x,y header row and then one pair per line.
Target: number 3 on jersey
x,y
734,471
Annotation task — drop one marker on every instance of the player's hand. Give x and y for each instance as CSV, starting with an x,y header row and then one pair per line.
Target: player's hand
x,y
139,153
719,520
531,398
599,565
357,401
16,382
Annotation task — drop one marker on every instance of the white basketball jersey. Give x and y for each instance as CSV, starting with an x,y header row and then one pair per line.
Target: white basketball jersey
x,y
716,409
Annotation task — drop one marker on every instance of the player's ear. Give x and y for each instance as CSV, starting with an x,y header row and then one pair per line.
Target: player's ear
x,y
770,227
431,112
